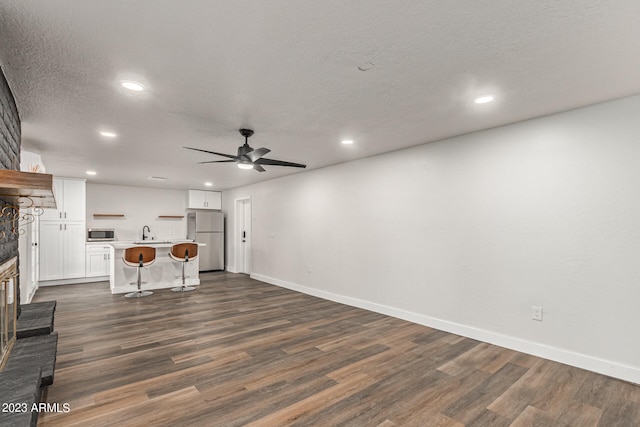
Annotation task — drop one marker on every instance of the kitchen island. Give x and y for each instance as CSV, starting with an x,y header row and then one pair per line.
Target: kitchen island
x,y
163,273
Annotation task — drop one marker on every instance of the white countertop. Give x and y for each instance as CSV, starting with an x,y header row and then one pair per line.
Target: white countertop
x,y
152,243
123,244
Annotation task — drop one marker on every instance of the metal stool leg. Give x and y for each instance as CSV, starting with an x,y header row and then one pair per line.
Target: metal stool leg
x,y
183,288
139,293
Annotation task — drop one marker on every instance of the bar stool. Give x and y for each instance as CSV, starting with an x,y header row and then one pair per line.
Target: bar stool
x,y
183,253
139,256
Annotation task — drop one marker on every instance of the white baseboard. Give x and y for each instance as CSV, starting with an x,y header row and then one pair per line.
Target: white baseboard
x,y
601,366
73,281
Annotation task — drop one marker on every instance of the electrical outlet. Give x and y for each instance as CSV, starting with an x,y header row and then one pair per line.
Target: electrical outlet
x,y
308,268
536,313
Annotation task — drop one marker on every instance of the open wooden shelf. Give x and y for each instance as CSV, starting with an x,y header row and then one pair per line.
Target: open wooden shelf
x,y
171,216
108,215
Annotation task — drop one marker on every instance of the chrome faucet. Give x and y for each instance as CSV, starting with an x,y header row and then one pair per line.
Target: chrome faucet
x,y
144,236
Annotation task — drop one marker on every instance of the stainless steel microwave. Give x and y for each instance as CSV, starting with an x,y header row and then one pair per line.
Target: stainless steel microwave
x,y
100,234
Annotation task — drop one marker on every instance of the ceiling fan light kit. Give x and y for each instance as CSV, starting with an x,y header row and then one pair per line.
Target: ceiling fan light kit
x,y
247,157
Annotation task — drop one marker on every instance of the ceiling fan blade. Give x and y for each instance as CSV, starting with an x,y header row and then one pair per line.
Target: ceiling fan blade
x,y
257,153
272,162
217,161
248,156
211,152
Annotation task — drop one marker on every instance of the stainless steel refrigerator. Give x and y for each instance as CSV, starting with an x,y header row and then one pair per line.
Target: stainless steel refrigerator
x,y
208,228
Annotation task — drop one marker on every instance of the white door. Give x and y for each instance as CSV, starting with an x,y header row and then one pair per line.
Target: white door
x,y
214,200
97,263
197,199
74,200
74,250
243,236
51,250
246,241
27,246
34,261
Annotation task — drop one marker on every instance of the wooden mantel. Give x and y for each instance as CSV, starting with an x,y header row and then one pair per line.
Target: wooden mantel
x,y
27,189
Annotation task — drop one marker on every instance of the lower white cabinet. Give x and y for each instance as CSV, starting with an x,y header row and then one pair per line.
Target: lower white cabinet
x,y
62,250
97,261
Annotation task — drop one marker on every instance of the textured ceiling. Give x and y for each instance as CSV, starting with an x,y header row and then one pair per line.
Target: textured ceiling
x,y
289,70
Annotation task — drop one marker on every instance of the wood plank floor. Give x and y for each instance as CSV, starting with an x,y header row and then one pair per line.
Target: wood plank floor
x,y
241,352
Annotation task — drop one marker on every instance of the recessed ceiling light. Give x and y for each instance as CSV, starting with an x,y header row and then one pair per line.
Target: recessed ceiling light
x,y
108,134
91,173
131,85
157,178
208,184
347,141
484,99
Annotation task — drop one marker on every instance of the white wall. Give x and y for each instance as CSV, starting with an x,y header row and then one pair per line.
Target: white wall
x,y
467,234
140,206
31,162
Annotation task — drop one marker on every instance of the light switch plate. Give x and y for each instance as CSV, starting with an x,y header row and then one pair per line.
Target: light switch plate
x,y
536,313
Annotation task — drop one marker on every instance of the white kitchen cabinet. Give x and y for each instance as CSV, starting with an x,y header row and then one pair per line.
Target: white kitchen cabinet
x,y
70,197
97,260
205,199
197,199
50,250
62,250
63,233
74,249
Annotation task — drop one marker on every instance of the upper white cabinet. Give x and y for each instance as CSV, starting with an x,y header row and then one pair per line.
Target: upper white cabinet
x,y
205,199
70,197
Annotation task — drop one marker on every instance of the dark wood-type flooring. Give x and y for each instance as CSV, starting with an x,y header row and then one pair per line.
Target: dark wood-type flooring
x,y
241,352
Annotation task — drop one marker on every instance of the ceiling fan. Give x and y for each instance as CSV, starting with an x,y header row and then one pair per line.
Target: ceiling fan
x,y
249,158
